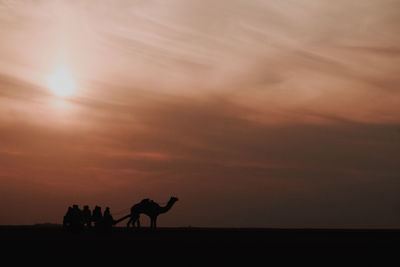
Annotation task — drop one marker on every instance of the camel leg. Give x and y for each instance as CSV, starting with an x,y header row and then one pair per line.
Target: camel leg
x,y
135,219
129,222
153,223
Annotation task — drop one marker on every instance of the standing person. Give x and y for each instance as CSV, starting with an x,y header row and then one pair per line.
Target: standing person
x,y
108,220
76,219
87,216
107,212
97,216
67,221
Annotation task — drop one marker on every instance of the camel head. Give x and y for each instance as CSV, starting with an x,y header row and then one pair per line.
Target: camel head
x,y
173,199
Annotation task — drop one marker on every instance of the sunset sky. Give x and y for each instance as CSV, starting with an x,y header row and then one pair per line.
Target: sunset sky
x,y
254,113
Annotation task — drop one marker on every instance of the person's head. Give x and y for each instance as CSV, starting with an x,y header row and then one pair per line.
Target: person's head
x,y
86,207
75,206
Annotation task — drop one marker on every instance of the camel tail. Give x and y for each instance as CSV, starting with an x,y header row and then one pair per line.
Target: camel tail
x,y
121,219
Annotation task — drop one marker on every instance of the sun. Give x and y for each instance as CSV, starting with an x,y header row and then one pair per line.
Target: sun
x,y
61,82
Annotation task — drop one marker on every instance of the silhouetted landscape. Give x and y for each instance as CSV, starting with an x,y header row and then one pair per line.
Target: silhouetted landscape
x,y
299,245
85,231
176,127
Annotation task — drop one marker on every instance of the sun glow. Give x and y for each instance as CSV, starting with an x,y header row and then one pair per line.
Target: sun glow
x,y
61,82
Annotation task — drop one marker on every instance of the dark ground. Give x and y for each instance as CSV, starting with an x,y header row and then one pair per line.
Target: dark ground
x,y
282,244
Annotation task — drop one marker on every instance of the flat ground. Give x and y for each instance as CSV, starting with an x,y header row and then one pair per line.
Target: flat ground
x,y
304,242
228,237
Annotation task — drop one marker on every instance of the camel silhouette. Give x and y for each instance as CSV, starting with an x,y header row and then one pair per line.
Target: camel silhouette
x,y
150,208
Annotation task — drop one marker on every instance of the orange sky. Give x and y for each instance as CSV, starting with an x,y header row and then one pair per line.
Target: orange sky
x,y
254,113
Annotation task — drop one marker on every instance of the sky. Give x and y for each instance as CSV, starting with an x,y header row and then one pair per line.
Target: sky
x,y
253,113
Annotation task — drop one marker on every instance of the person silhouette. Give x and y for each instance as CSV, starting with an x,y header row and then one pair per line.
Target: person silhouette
x,y
97,216
76,219
108,220
107,212
87,217
67,218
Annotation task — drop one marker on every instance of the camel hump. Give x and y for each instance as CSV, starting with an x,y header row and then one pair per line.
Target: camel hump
x,y
141,204
146,200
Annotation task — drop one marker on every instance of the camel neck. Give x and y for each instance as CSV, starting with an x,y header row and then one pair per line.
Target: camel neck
x,y
166,207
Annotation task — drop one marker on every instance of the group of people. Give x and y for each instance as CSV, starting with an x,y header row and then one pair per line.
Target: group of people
x,y
77,220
